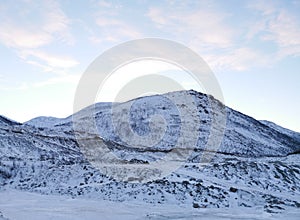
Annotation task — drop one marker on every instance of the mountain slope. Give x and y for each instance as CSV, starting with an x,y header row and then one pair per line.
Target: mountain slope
x,y
243,135
255,166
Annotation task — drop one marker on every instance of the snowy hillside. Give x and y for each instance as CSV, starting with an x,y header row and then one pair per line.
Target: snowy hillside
x,y
256,165
243,135
282,130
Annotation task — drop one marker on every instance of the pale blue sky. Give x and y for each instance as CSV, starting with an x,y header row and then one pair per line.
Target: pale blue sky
x,y
253,47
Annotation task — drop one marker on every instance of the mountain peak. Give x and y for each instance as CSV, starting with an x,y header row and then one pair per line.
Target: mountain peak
x,y
256,162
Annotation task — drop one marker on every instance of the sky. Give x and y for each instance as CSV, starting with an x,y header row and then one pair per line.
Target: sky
x,y
252,47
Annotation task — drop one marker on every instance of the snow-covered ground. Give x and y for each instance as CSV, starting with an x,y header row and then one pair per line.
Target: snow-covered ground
x,y
17,205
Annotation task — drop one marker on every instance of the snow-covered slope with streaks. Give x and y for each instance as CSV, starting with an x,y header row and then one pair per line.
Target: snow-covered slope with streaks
x,y
243,135
281,130
257,165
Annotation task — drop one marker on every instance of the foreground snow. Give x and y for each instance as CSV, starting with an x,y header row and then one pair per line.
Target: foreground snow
x,y
24,205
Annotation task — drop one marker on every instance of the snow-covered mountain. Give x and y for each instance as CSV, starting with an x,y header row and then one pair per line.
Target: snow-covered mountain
x,y
243,135
256,164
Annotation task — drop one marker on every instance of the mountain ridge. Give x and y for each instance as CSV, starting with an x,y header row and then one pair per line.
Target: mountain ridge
x,y
237,130
253,166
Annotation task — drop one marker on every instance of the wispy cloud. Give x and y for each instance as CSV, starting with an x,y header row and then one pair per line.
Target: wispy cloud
x,y
239,59
279,26
115,29
48,61
22,31
285,31
225,44
205,30
202,25
156,15
111,25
